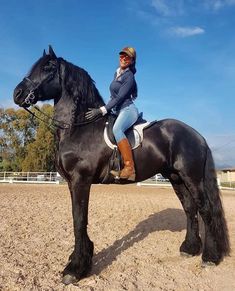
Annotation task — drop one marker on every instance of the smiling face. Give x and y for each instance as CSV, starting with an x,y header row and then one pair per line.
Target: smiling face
x,y
125,61
42,83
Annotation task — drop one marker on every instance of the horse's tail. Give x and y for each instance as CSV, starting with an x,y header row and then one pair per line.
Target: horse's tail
x,y
218,225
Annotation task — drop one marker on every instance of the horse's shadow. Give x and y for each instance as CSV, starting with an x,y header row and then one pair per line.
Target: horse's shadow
x,y
169,219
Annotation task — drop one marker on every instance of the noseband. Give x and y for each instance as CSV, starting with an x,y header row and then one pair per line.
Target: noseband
x,y
31,96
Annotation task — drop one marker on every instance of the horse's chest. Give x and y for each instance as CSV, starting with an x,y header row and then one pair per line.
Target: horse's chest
x,y
71,156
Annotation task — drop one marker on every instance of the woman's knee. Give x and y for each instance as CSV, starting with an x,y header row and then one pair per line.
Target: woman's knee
x,y
118,134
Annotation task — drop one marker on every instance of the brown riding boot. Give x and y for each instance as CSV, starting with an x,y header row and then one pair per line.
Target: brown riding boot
x,y
128,172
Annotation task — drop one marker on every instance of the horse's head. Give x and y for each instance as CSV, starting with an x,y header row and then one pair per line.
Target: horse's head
x,y
42,83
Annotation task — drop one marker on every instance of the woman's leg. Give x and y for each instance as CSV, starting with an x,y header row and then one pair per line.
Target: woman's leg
x,y
126,118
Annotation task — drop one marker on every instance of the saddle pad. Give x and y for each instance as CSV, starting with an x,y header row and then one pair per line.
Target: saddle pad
x,y
134,135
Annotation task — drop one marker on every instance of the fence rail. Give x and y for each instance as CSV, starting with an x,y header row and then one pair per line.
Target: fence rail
x,y
30,177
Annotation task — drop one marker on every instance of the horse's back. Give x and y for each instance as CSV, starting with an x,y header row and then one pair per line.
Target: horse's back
x,y
175,131
170,144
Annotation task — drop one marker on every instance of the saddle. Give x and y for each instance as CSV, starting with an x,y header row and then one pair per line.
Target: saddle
x,y
135,137
134,134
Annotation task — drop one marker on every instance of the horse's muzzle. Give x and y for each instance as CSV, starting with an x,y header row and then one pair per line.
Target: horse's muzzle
x,y
17,95
19,99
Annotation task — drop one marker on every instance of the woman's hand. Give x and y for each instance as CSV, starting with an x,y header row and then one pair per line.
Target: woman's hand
x,y
92,113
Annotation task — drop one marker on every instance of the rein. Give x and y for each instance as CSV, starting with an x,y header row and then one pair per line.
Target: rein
x,y
56,123
51,126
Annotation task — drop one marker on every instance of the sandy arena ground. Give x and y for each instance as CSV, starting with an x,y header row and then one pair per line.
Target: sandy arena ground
x,y
137,232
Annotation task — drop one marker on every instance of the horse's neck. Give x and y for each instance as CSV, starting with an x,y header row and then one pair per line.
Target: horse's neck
x,y
67,111
63,111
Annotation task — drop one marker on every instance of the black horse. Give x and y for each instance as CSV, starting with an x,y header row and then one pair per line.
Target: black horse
x,y
169,147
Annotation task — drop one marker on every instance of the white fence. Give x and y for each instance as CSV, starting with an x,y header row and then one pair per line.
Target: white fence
x,y
157,180
30,177
55,178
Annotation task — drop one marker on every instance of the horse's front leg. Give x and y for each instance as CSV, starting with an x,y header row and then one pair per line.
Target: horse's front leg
x,y
81,259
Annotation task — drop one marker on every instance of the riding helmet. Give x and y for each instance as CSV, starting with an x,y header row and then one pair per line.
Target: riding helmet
x,y
130,51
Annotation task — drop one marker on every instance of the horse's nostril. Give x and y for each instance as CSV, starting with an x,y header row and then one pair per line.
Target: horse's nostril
x,y
18,93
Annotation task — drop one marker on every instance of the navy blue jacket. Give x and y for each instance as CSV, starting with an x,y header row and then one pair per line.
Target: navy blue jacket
x,y
122,90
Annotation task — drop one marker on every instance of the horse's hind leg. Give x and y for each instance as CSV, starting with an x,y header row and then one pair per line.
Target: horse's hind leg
x,y
216,243
192,244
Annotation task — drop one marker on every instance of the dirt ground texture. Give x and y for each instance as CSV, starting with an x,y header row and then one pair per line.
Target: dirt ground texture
x,y
137,232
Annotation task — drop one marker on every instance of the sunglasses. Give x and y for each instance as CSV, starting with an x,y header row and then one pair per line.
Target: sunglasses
x,y
125,57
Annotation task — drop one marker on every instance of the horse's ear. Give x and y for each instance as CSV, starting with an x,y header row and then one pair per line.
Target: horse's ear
x,y
44,53
51,52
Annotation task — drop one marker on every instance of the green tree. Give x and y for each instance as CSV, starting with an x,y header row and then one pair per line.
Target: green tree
x,y
16,132
26,143
41,152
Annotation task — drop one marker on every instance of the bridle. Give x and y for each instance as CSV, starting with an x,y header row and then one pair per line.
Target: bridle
x,y
31,98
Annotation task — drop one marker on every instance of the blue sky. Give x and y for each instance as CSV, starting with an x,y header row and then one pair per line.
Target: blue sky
x,y
185,54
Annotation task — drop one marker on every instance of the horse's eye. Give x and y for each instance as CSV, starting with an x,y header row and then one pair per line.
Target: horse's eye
x,y
49,66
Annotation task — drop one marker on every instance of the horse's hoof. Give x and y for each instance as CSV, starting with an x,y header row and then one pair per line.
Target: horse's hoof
x,y
207,264
69,279
186,255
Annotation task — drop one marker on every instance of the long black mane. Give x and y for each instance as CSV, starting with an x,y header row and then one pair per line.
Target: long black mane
x,y
80,87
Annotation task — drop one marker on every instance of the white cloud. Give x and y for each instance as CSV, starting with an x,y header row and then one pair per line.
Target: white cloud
x,y
161,7
168,7
174,16
218,4
186,31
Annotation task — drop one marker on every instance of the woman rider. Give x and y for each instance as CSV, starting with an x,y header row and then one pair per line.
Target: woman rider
x,y
123,91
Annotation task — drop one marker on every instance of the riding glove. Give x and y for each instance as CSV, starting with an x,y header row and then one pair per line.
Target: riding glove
x,y
92,113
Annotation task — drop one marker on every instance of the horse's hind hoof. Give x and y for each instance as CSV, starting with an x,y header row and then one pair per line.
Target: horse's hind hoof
x,y
207,264
69,279
186,255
